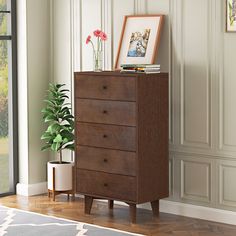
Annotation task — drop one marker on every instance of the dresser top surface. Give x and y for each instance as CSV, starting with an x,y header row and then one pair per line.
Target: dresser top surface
x,y
117,73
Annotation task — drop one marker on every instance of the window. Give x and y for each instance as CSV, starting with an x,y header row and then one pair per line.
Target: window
x,y
8,95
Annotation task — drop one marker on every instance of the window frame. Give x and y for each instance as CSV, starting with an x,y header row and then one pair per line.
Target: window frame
x,y
13,102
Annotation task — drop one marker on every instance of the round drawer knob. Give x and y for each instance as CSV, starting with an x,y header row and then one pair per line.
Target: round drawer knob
x,y
104,87
104,112
105,185
104,136
105,160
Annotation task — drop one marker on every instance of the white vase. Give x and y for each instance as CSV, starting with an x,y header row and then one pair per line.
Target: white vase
x,y
63,175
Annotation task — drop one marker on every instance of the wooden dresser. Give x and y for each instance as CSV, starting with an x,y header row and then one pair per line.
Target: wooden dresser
x,y
122,138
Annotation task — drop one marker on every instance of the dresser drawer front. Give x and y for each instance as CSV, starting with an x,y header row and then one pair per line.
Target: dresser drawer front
x,y
106,112
106,136
106,160
106,185
105,87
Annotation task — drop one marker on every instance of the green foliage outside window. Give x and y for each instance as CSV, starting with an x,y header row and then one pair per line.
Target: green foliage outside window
x,y
3,74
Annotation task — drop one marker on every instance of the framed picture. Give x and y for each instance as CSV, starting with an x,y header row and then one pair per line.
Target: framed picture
x,y
230,15
140,38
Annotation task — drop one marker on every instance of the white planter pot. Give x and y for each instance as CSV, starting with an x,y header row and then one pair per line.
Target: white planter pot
x,y
63,176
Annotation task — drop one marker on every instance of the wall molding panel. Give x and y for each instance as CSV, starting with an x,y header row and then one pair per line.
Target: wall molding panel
x,y
107,26
195,110
200,58
140,7
227,70
227,193
77,36
195,180
171,175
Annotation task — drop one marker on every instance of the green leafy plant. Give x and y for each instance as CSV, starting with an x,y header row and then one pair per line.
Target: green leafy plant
x,y
57,114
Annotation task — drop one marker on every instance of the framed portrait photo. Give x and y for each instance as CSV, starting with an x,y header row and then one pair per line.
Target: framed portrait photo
x,y
230,15
140,38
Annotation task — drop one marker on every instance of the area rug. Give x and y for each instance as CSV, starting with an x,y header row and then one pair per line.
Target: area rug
x,y
14,222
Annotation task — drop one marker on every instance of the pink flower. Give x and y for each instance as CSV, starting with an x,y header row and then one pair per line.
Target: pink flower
x,y
97,33
88,39
103,36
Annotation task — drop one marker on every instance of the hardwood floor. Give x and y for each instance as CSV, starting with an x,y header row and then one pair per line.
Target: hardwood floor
x,y
118,218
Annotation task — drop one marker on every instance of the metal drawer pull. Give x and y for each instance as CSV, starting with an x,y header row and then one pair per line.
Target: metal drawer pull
x,y
105,160
104,112
104,136
105,185
104,87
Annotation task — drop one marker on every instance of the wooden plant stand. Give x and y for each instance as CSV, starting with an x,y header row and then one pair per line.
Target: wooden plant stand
x,y
54,192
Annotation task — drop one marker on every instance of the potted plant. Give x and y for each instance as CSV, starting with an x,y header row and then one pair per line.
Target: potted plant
x,y
58,136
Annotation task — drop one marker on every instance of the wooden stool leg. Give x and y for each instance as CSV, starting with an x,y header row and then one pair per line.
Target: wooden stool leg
x,y
88,202
155,208
110,204
132,213
53,196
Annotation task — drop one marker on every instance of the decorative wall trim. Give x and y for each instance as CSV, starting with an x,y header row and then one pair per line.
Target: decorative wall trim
x,y
107,26
223,145
195,196
77,34
171,174
184,141
214,154
140,7
72,49
31,189
222,188
171,107
51,40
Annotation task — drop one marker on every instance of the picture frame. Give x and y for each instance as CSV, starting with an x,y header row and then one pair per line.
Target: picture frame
x,y
230,15
140,39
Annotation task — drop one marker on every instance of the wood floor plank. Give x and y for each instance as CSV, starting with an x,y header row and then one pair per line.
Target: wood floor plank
x,y
118,218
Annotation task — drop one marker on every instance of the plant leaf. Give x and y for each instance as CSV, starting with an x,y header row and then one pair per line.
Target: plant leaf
x,y
50,118
58,139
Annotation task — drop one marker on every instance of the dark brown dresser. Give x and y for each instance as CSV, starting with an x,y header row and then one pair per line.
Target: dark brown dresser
x,y
122,138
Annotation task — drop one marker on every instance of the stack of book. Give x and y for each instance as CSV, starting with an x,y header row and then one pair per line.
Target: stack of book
x,y
140,68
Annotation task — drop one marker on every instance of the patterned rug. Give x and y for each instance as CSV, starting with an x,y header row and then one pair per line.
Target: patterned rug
x,y
15,222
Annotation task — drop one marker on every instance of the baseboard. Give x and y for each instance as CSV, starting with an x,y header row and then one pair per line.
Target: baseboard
x,y
194,211
31,189
200,212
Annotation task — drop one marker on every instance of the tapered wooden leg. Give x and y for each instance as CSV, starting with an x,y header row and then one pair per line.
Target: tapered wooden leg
x,y
53,196
155,208
110,204
68,197
88,202
132,213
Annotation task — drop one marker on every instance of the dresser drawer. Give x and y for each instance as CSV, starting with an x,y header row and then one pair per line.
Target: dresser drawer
x,y
107,136
106,185
105,87
106,160
106,112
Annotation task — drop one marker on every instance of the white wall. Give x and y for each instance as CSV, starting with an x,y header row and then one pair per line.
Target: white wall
x,y
33,23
